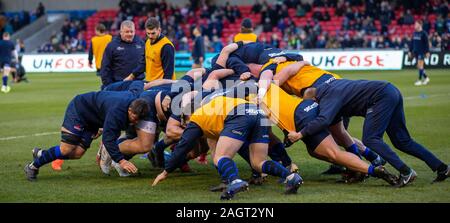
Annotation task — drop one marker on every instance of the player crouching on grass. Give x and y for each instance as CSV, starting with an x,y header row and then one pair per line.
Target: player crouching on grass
x,y
230,122
85,115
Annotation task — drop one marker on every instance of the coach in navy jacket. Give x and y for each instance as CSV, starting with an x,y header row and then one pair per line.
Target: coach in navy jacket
x,y
122,55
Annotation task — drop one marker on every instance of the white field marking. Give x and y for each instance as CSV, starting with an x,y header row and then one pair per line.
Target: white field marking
x,y
425,96
36,134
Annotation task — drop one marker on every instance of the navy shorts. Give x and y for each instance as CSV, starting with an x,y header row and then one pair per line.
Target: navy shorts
x,y
246,127
419,56
4,64
72,122
305,112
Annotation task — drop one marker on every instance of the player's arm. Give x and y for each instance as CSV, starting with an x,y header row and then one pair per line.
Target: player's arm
x,y
111,132
105,70
168,60
212,81
139,69
158,82
426,44
185,145
328,110
90,55
341,135
196,73
225,53
265,78
288,72
174,130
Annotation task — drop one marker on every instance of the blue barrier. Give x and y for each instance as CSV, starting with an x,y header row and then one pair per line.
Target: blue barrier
x,y
183,61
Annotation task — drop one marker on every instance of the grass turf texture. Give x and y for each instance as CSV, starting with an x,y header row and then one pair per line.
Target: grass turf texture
x,y
38,107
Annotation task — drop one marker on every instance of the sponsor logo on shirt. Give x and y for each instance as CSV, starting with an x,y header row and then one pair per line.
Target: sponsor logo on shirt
x,y
236,132
120,48
311,107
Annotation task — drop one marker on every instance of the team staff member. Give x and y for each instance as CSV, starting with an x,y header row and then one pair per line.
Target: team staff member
x,y
246,33
98,46
159,60
122,55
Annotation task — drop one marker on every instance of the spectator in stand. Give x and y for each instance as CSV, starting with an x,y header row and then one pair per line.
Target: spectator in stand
x,y
275,42
321,42
217,44
256,8
408,19
40,11
300,12
267,27
183,44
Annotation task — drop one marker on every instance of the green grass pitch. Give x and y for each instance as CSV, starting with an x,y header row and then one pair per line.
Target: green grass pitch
x,y
31,115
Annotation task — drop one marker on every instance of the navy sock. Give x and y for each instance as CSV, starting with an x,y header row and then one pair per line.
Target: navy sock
x,y
48,156
405,170
354,149
5,80
371,170
369,155
278,153
424,74
275,169
120,140
421,72
227,169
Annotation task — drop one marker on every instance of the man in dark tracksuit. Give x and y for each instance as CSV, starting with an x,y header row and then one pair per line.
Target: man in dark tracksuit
x,y
122,55
198,50
420,48
85,115
381,103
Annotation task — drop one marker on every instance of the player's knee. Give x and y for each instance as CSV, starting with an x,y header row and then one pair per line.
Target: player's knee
x,y
402,143
371,142
78,153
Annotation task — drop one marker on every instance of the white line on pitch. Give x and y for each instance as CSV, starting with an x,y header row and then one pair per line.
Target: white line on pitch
x,y
36,134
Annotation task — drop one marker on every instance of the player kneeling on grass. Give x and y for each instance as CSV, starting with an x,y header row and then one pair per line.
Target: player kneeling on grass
x,y
85,114
231,122
381,104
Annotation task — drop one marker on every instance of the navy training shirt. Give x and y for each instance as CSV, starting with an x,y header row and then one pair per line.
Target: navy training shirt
x,y
107,110
342,98
420,43
6,48
120,58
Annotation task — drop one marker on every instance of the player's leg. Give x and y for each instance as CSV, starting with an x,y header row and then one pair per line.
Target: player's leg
x,y
401,139
226,148
353,145
144,141
70,147
376,123
420,68
6,71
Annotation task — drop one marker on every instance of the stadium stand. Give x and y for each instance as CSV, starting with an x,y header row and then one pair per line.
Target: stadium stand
x,y
291,24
